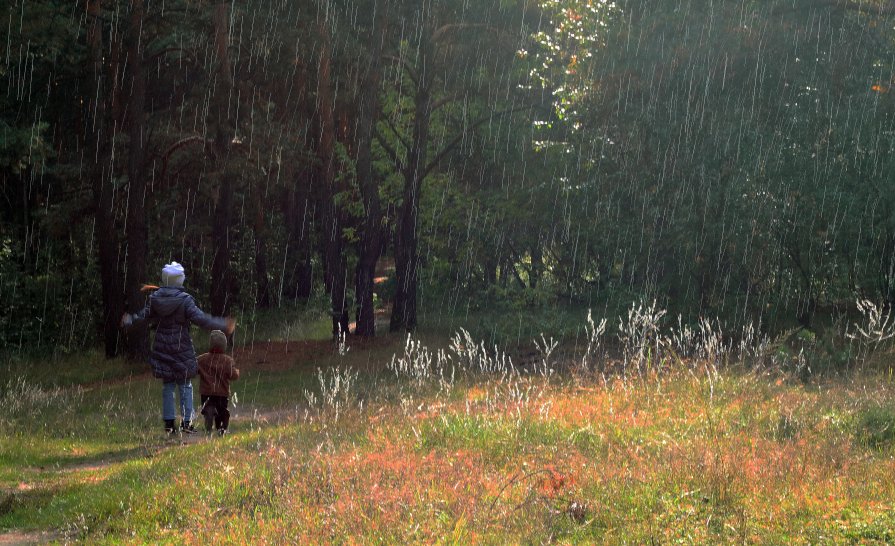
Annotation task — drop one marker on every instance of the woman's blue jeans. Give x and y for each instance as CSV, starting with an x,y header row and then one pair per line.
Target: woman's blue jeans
x,y
185,389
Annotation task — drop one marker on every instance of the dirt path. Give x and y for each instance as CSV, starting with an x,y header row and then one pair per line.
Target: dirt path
x,y
248,417
281,355
17,538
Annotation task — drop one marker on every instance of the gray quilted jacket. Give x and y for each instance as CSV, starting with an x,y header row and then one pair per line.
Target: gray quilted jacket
x,y
173,357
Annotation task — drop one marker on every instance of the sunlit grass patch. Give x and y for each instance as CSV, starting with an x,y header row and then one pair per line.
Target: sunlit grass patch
x,y
500,438
62,495
286,323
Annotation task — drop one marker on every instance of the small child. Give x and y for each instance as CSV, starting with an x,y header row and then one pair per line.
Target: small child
x,y
173,358
216,370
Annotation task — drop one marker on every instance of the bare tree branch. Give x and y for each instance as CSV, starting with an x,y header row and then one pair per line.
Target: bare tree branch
x,y
456,140
444,30
446,100
389,150
186,52
398,135
173,148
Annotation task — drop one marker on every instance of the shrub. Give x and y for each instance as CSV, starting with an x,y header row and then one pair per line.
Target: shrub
x,y
876,427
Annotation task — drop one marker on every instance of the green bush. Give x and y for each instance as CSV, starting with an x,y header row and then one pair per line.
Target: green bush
x,y
54,311
876,427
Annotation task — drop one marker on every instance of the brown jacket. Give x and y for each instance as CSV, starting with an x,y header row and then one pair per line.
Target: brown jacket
x,y
216,370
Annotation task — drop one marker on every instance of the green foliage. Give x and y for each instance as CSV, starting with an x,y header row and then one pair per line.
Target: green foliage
x,y
46,313
876,427
561,56
728,159
22,148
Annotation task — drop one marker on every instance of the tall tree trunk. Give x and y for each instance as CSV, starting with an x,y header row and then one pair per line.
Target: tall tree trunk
x,y
404,312
371,236
137,231
220,265
220,235
298,205
887,271
537,264
29,256
298,211
332,229
104,223
262,299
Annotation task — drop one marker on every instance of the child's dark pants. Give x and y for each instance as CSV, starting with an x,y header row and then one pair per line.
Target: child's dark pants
x,y
214,409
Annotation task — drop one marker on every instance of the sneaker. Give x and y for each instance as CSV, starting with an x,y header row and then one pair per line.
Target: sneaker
x,y
222,432
170,429
187,428
172,433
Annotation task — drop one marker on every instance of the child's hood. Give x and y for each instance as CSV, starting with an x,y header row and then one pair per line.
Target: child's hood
x,y
217,341
167,300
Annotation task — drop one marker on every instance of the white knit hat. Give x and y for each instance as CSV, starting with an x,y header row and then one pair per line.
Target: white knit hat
x,y
173,274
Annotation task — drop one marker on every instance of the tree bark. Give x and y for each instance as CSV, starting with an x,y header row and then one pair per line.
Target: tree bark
x,y
371,236
96,151
137,231
298,211
220,235
537,264
298,205
404,310
220,266
887,271
332,229
262,284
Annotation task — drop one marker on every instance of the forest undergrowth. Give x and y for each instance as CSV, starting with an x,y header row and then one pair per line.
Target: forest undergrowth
x,y
635,433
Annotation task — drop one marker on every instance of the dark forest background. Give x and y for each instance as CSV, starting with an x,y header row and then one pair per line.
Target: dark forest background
x,y
731,159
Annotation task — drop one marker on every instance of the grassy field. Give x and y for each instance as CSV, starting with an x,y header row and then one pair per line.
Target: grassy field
x,y
443,442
